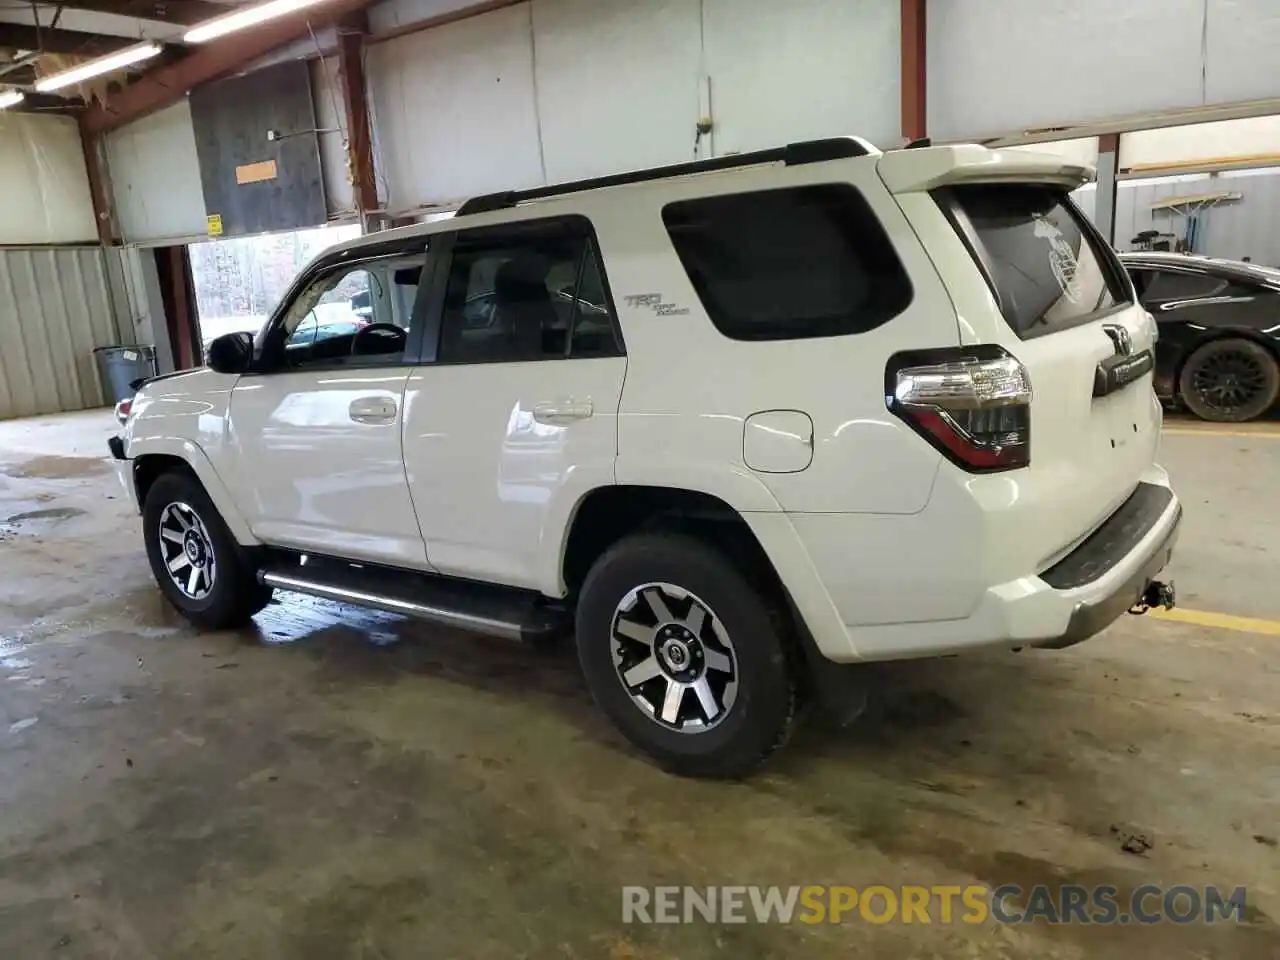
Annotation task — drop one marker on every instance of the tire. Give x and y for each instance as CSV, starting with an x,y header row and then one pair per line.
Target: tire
x,y
1230,381
736,649
227,592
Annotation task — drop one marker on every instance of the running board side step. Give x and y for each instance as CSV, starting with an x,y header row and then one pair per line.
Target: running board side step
x,y
461,604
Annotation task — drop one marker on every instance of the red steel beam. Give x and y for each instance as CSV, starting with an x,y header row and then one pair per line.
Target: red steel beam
x,y
169,83
351,34
914,70
103,216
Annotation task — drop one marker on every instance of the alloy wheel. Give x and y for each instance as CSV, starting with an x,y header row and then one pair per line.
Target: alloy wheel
x,y
187,551
1228,380
674,657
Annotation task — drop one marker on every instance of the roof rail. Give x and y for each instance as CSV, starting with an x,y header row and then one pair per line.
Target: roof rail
x,y
793,154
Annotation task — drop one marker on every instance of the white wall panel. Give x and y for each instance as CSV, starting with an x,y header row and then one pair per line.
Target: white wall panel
x,y
1241,40
55,308
554,90
155,177
44,186
455,111
1223,140
803,70
618,83
998,66
392,14
331,122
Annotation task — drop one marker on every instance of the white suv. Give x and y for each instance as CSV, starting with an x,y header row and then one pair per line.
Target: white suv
x,y
741,422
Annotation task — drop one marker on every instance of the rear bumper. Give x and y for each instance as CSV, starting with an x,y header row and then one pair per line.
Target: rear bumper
x,y
912,592
1092,616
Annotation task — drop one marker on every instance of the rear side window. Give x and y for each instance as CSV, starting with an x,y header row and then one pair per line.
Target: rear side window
x,y
1175,285
787,264
1047,267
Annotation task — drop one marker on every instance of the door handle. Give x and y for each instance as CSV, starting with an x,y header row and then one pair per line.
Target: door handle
x,y
373,410
562,411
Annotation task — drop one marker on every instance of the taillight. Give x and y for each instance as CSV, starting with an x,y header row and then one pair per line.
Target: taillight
x,y
974,404
123,409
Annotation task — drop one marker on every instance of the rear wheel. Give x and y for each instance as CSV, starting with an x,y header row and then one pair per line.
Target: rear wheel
x,y
1230,381
194,558
686,658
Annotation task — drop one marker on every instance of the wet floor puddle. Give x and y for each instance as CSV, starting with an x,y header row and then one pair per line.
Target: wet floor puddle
x,y
55,468
39,520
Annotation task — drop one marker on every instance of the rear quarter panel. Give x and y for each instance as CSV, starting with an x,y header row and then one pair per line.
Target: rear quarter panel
x,y
690,388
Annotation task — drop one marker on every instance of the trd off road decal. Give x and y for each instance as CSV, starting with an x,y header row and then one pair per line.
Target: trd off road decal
x,y
654,302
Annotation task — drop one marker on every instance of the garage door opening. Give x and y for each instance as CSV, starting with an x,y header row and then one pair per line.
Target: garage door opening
x,y
238,282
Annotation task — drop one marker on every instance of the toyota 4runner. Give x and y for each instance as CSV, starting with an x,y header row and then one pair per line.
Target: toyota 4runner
x,y
740,423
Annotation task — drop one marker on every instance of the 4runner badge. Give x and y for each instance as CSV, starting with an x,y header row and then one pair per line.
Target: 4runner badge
x,y
653,301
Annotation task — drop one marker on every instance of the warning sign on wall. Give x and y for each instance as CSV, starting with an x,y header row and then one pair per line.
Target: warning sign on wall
x,y
215,225
256,172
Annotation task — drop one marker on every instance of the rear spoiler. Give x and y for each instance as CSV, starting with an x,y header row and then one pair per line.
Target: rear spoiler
x,y
907,171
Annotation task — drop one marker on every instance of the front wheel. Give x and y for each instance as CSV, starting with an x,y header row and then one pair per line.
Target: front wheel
x,y
195,560
1230,381
686,658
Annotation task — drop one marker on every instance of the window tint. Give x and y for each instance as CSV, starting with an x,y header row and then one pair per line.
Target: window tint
x,y
1141,281
353,315
1047,268
1171,285
784,264
529,292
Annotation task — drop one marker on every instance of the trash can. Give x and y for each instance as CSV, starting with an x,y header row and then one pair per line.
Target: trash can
x,y
120,366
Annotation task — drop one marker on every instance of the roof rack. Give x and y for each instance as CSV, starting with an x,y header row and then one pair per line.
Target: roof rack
x,y
793,154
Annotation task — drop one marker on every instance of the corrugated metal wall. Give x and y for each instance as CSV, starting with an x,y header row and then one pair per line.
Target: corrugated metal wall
x,y
56,305
1246,228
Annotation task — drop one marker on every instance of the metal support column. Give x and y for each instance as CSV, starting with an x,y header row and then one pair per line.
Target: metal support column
x,y
1104,214
351,33
99,186
914,69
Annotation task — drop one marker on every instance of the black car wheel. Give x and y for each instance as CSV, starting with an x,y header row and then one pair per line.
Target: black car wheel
x,y
1230,381
685,656
196,562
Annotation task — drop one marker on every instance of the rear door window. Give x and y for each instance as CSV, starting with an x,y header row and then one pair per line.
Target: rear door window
x,y
528,291
809,261
1048,268
1177,285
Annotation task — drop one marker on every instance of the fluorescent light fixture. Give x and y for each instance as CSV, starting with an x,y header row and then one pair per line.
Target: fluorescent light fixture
x,y
11,98
241,19
96,68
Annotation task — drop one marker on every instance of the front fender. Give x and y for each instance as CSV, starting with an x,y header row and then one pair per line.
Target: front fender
x,y
195,458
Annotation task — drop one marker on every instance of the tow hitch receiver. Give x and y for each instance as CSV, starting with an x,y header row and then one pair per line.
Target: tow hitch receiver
x,y
1157,594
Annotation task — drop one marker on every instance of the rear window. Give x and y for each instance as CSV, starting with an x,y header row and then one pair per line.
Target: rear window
x,y
786,264
1047,267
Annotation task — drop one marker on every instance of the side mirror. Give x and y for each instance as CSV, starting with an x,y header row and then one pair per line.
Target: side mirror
x,y
231,353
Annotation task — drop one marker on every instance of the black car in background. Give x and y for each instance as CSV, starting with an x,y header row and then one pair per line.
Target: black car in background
x,y
1219,320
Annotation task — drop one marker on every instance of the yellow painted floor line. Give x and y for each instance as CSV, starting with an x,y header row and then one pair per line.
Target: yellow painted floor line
x,y
1223,621
1191,432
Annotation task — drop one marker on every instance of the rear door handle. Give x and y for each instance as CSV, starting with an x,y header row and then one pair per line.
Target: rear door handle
x,y
563,411
373,410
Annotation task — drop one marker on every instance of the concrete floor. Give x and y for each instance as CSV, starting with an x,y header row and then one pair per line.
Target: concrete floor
x,y
347,785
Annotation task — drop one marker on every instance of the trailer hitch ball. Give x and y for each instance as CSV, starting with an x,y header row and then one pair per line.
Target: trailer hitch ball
x,y
1157,594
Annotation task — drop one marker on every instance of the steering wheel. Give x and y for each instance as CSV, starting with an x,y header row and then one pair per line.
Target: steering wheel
x,y
388,339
